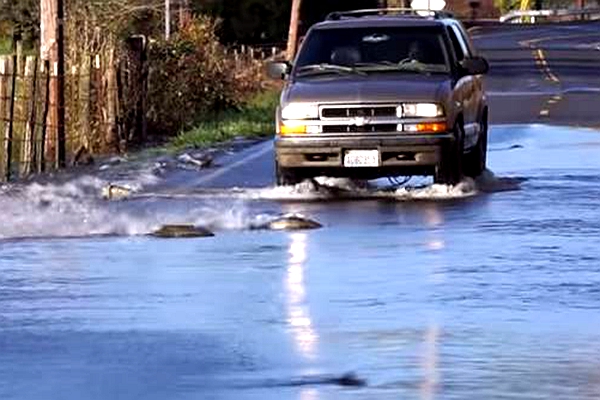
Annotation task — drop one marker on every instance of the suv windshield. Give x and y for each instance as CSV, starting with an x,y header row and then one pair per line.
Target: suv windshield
x,y
370,50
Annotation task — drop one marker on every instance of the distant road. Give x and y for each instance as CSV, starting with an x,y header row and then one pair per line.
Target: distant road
x,y
543,73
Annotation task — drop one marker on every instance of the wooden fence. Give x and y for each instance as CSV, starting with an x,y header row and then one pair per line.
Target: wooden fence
x,y
104,106
24,110
242,53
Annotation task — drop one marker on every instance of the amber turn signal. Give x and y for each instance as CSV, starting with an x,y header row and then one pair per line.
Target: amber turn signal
x,y
426,127
432,127
292,129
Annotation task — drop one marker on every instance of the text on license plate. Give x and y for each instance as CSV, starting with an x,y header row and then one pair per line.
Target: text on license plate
x,y
361,158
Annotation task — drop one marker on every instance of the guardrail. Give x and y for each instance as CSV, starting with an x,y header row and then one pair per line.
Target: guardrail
x,y
529,16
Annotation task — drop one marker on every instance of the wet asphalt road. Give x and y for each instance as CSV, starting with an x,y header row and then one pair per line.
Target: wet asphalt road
x,y
479,293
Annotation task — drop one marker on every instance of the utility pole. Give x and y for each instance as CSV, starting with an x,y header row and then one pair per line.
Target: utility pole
x,y
53,51
167,19
293,34
581,5
61,150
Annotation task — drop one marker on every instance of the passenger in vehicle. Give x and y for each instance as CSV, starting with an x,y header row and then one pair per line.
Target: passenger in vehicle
x,y
346,56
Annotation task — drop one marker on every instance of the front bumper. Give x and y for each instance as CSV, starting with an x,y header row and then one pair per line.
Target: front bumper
x,y
398,153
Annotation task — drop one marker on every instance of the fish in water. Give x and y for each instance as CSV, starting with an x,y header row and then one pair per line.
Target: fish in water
x,y
292,222
182,231
204,161
346,380
349,380
116,192
488,182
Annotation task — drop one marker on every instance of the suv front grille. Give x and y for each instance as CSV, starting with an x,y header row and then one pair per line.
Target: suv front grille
x,y
375,128
353,112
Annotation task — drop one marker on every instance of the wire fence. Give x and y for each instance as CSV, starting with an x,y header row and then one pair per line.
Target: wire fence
x,y
105,104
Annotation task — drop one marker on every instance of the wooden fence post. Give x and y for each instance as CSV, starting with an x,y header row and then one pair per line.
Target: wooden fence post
x,y
28,146
8,133
84,90
4,73
112,133
96,101
134,87
52,123
42,150
19,49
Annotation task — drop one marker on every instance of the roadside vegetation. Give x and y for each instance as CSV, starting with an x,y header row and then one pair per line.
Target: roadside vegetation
x,y
5,45
192,90
254,119
194,79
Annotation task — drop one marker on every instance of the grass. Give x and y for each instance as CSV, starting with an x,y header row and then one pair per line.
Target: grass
x,y
255,119
5,45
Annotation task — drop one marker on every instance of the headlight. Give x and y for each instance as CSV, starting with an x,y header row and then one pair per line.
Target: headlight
x,y
424,110
300,111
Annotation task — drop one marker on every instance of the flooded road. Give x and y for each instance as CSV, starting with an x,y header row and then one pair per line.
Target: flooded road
x,y
489,290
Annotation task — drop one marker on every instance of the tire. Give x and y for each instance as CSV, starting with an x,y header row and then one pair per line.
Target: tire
x,y
450,169
476,160
285,177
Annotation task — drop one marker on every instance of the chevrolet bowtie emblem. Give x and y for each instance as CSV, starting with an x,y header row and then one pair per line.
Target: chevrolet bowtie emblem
x,y
360,121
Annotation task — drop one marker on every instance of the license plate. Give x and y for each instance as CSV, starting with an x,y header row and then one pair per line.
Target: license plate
x,y
361,158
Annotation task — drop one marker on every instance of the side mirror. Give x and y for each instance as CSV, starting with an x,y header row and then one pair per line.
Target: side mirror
x,y
278,70
475,66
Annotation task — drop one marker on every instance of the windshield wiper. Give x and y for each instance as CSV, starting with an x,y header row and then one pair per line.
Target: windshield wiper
x,y
403,66
327,68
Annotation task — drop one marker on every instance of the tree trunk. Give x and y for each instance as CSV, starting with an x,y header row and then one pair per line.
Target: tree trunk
x,y
293,34
52,49
49,52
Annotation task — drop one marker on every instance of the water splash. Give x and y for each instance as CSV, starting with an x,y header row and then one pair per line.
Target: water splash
x,y
336,188
75,209
466,188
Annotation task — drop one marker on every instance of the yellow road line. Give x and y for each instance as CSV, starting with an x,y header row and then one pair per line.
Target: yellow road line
x,y
543,64
531,42
552,77
539,53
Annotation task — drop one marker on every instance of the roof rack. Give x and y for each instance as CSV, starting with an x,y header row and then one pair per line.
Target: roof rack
x,y
337,15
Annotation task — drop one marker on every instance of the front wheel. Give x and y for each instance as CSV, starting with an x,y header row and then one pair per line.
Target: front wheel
x,y
450,169
285,176
476,160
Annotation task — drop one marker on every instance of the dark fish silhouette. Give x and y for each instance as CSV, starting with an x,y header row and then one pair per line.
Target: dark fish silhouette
x,y
181,231
292,223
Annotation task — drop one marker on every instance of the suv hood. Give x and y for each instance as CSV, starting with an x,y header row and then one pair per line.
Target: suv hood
x,y
392,88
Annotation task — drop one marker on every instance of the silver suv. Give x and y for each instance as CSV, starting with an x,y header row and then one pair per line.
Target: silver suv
x,y
387,92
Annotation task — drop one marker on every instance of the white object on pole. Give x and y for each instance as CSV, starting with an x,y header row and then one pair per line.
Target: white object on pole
x,y
433,5
167,19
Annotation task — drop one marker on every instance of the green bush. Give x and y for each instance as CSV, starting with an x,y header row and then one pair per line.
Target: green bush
x,y
192,78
